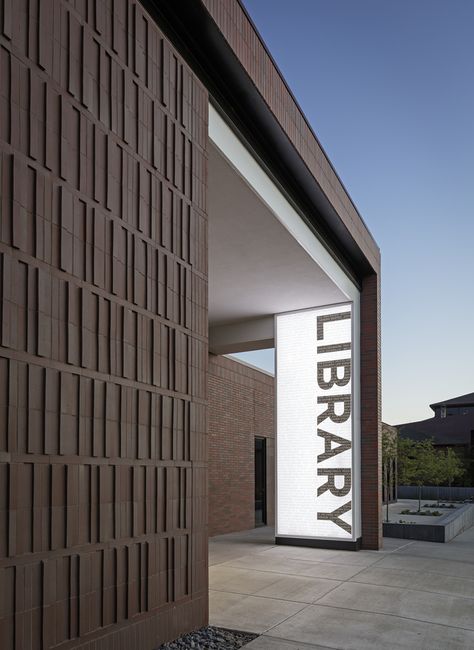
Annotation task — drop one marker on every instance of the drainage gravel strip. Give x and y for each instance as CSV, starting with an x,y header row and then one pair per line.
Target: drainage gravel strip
x,y
211,638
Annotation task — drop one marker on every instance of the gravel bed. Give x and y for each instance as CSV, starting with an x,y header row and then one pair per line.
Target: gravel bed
x,y
211,638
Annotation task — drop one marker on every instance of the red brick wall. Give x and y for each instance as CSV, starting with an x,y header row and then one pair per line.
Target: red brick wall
x,y
240,408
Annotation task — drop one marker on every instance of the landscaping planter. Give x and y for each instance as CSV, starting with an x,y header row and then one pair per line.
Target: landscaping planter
x,y
445,530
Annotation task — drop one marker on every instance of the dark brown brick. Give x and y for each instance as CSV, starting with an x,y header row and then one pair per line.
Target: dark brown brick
x,y
102,417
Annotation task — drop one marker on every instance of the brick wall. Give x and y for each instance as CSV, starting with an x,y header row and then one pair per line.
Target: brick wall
x,y
371,435
240,407
103,330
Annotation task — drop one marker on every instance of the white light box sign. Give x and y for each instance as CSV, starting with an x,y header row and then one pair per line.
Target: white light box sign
x,y
314,423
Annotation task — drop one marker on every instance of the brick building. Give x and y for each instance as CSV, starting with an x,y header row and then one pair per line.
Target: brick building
x,y
163,196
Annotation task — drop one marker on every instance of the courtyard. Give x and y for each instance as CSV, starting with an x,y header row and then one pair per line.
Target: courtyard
x,y
416,595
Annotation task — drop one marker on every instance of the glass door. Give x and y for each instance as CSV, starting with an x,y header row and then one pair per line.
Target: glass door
x,y
260,482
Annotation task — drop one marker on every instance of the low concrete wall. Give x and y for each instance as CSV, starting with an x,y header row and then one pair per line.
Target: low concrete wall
x,y
431,492
447,529
458,521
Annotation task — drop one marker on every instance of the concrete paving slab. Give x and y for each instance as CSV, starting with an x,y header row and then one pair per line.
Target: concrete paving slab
x,y
241,581
420,563
265,642
466,537
219,553
268,562
249,613
360,558
417,605
331,571
393,544
265,562
461,548
299,589
417,580
461,552
261,535
344,629
357,558
302,553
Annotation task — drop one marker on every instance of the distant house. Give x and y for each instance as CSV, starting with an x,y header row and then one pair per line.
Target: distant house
x,y
451,426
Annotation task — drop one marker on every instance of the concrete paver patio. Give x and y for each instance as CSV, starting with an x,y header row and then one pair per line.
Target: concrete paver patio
x,y
416,595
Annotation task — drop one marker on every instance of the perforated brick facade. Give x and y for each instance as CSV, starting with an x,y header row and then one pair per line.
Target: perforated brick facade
x,y
103,357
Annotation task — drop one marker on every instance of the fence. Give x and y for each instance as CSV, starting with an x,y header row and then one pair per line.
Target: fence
x,y
431,492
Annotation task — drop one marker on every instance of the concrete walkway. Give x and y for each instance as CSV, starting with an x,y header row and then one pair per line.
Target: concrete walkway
x,y
416,595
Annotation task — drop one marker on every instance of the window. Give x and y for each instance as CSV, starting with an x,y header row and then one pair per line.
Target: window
x,y
443,411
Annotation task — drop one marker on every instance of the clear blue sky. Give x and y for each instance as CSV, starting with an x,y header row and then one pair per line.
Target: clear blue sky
x,y
388,86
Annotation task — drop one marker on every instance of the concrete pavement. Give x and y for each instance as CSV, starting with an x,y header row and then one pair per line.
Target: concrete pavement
x,y
414,595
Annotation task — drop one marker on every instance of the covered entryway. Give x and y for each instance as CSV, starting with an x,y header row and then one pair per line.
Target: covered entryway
x,y
274,284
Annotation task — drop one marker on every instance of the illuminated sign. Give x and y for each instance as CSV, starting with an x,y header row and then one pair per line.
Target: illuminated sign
x,y
314,423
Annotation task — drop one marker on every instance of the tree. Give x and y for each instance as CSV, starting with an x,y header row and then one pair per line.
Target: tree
x,y
452,466
439,473
416,463
405,453
389,454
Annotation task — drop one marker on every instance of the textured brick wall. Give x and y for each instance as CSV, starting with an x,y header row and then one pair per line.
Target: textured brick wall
x,y
371,435
240,407
103,330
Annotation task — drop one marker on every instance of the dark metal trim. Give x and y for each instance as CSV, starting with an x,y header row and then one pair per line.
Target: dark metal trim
x,y
196,36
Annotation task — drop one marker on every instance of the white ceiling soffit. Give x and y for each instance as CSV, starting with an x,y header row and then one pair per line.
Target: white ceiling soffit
x,y
255,176
261,261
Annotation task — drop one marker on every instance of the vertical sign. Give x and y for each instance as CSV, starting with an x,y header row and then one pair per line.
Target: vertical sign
x,y
314,423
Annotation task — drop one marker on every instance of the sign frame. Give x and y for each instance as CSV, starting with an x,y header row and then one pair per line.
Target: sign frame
x,y
354,541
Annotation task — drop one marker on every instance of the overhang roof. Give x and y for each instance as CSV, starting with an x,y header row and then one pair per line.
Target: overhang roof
x,y
256,267
224,49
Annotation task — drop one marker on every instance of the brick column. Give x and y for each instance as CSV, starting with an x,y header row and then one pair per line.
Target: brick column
x,y
371,452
